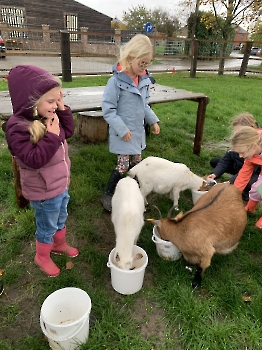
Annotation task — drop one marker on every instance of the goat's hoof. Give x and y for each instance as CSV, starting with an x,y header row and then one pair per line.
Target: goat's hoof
x,y
196,283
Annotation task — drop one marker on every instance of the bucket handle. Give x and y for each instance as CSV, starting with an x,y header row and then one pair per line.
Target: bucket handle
x,y
42,324
108,264
154,239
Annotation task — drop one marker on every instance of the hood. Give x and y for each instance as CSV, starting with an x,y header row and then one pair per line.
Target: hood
x,y
27,84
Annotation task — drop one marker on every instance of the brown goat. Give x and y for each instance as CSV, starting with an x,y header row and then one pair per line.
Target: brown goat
x,y
214,225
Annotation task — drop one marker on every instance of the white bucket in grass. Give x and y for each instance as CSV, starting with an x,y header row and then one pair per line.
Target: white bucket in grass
x,y
64,318
196,195
128,281
167,250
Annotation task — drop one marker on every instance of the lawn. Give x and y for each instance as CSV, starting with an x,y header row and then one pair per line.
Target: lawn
x,y
166,314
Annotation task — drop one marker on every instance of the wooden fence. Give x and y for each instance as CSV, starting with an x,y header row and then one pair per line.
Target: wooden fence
x,y
84,43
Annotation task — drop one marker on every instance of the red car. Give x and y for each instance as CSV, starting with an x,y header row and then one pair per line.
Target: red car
x,y
2,46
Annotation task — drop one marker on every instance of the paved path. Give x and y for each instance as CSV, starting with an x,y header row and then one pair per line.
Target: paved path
x,y
93,65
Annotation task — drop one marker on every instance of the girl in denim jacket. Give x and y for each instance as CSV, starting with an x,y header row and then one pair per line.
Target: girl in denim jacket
x,y
126,110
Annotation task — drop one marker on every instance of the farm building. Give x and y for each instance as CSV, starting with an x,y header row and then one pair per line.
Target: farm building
x,y
57,14
36,25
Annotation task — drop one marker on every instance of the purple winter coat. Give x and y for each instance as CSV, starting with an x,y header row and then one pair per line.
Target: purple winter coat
x,y
45,166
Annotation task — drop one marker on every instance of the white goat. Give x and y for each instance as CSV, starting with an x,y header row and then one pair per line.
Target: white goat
x,y
214,225
162,176
128,219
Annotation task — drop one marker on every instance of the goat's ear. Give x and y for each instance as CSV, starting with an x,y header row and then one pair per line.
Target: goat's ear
x,y
153,221
203,186
178,217
158,223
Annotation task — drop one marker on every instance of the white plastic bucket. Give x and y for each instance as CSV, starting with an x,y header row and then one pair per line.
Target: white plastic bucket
x,y
196,195
167,250
64,318
128,281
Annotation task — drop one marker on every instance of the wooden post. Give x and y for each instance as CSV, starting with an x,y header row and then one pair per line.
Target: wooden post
x,y
46,34
65,55
194,43
193,69
200,121
244,64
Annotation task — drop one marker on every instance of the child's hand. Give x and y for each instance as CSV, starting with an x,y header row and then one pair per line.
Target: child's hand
x,y
60,102
212,176
156,129
127,136
52,125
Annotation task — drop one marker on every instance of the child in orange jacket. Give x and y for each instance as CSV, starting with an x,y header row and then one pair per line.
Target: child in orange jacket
x,y
247,142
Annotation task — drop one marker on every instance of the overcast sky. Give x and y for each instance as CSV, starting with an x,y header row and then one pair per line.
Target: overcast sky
x,y
115,8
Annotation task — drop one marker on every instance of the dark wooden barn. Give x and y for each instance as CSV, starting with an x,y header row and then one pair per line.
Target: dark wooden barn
x,y
57,14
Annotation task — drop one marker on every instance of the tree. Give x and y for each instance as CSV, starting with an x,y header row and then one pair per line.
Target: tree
x,y
137,17
116,24
234,13
163,21
206,27
257,33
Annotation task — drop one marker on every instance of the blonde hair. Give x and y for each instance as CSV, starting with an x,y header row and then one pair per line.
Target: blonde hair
x,y
245,119
138,47
37,128
37,131
246,136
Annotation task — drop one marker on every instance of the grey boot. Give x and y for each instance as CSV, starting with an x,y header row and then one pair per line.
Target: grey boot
x,y
106,199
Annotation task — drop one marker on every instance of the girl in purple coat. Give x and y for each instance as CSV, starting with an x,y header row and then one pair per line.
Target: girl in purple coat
x,y
36,135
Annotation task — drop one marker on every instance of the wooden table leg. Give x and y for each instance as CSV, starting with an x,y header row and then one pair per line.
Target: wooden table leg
x,y
200,120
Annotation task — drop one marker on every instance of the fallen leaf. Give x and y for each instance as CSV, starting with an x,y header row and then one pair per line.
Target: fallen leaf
x,y
69,265
246,297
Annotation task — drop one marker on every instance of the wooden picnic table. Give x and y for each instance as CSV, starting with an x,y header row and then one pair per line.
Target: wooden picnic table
x,y
90,99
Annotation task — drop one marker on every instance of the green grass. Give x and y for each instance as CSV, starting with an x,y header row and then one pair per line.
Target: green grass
x,y
257,68
166,313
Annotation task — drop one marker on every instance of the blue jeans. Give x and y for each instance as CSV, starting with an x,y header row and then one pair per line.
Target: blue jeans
x,y
50,215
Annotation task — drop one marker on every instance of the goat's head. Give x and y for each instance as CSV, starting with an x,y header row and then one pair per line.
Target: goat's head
x,y
123,263
163,225
207,183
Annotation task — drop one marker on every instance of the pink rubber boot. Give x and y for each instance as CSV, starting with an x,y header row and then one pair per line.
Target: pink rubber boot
x,y
60,246
43,260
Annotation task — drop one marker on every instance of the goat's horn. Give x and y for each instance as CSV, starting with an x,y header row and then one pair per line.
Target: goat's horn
x,y
159,212
169,214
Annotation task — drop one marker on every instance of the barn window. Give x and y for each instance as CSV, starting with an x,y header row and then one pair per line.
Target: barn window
x,y
71,25
14,17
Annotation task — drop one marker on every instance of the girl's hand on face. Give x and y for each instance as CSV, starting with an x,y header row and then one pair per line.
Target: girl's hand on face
x,y
60,102
127,136
156,130
52,125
